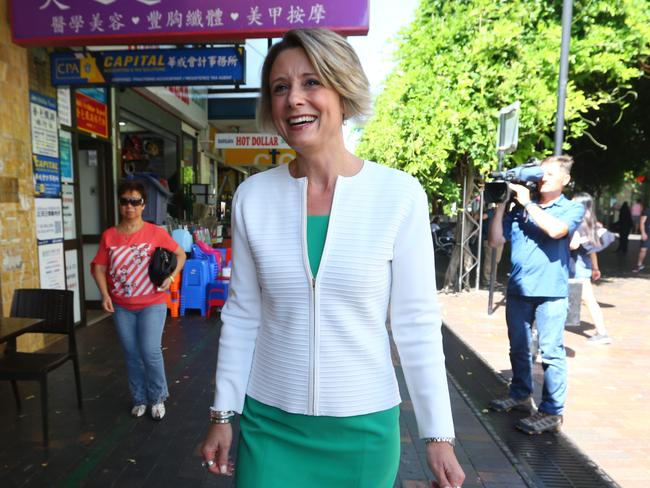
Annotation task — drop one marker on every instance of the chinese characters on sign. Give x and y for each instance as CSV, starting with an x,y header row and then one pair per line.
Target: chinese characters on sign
x,y
65,149
49,219
64,109
149,68
67,201
44,125
47,183
72,280
79,22
50,265
45,145
92,115
47,176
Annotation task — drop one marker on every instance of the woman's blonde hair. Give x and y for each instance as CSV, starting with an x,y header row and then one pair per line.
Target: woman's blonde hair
x,y
335,63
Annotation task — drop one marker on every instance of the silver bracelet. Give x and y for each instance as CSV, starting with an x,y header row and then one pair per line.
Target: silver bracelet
x,y
221,416
220,421
448,440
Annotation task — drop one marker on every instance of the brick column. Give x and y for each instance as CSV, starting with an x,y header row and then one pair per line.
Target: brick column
x,y
18,252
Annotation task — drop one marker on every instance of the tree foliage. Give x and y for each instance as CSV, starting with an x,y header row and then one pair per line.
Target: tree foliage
x,y
460,61
615,150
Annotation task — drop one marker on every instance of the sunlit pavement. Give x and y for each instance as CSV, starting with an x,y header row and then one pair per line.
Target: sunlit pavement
x,y
607,409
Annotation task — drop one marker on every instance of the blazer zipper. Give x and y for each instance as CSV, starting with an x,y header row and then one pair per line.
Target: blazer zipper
x,y
311,408
314,322
323,260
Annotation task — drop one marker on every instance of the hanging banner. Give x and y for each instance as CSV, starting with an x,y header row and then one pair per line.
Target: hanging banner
x,y
47,176
258,157
96,22
43,120
249,141
64,107
49,219
50,265
92,115
99,94
65,149
69,219
72,280
218,65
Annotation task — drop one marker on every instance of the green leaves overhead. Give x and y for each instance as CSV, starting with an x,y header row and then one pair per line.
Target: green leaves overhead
x,y
460,61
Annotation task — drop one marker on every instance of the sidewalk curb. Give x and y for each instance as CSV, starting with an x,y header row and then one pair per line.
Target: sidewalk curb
x,y
555,450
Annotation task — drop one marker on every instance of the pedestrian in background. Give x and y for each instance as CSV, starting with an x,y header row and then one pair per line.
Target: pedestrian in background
x,y
304,353
584,264
539,232
121,270
623,227
486,271
644,223
636,211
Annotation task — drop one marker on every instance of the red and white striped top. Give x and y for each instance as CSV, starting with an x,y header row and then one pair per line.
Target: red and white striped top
x,y
127,258
128,270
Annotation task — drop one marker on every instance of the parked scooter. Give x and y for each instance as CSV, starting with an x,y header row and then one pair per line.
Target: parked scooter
x,y
443,240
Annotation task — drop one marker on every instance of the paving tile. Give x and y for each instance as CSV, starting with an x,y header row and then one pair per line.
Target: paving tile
x,y
606,411
102,446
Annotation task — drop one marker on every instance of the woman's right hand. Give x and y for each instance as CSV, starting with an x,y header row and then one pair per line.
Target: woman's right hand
x,y
216,447
107,304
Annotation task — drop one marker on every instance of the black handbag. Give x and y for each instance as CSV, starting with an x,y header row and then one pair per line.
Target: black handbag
x,y
162,265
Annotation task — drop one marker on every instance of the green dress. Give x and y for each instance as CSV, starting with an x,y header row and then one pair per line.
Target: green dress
x,y
278,449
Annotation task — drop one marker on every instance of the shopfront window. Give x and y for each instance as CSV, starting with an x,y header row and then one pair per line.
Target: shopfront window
x,y
148,149
189,153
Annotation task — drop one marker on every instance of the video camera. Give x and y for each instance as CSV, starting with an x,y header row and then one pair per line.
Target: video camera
x,y
529,175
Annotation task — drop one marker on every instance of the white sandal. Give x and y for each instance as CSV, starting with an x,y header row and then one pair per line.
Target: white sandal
x,y
138,410
158,411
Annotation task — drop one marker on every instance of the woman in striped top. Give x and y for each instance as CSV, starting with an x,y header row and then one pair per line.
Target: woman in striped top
x,y
121,270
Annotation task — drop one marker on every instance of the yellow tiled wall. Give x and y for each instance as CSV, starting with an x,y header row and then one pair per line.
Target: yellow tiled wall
x,y
18,251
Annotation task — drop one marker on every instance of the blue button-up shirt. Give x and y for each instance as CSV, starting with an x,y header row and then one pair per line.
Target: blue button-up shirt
x,y
540,264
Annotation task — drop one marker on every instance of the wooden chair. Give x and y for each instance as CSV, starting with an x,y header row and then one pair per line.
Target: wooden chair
x,y
56,308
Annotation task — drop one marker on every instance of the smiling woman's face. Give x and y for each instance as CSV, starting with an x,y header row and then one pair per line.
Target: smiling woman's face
x,y
305,112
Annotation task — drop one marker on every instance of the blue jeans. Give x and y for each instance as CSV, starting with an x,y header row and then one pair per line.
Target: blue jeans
x,y
140,333
549,315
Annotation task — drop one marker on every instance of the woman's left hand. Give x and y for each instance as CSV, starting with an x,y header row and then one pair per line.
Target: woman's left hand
x,y
165,284
443,464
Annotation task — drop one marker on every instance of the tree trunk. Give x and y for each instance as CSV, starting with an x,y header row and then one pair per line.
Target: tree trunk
x,y
466,173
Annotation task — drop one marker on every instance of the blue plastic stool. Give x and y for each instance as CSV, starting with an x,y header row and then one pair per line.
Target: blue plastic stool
x,y
212,258
217,294
196,276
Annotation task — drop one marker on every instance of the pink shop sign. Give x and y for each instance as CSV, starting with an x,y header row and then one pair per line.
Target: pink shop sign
x,y
96,22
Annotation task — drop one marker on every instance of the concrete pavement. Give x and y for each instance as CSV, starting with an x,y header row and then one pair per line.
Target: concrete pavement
x,y
607,407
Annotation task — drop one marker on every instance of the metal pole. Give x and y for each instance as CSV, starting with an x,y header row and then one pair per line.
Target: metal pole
x,y
567,14
462,239
493,257
480,241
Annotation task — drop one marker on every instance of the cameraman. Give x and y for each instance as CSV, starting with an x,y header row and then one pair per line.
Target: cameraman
x,y
539,231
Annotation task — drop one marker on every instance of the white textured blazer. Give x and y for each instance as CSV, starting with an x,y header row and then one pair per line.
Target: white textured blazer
x,y
320,346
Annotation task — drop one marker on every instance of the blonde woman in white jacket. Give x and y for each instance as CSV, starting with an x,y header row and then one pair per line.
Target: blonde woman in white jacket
x,y
326,251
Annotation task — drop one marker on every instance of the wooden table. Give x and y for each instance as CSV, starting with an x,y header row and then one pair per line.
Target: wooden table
x,y
12,327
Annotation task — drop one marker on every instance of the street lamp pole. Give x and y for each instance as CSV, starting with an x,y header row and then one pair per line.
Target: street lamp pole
x,y
567,14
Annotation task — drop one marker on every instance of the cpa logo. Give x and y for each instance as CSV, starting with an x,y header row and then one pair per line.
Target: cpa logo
x,y
67,69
